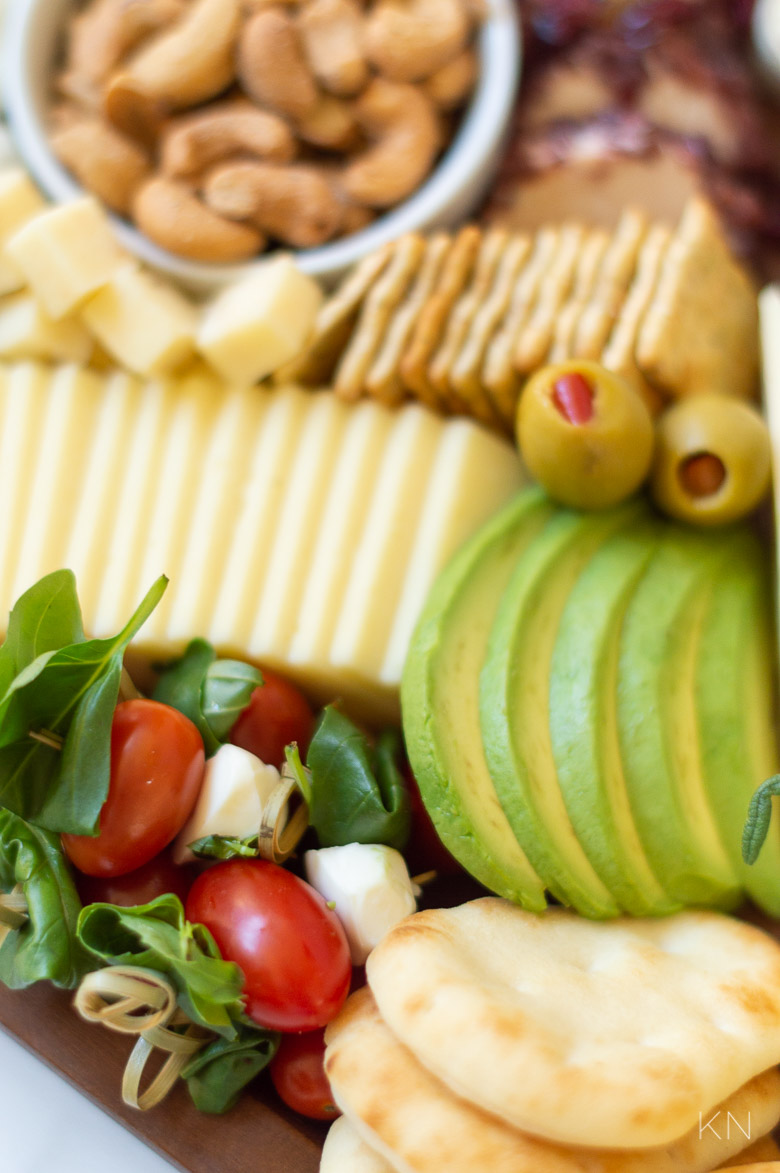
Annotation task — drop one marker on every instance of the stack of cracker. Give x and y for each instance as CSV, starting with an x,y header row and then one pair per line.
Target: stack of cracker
x,y
459,322
492,1039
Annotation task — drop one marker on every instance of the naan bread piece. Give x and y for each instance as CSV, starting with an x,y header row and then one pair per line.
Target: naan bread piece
x,y
701,331
760,1167
419,1126
765,1150
610,1034
345,1151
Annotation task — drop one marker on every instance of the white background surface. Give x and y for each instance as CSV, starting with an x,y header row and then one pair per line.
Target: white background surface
x,y
50,1128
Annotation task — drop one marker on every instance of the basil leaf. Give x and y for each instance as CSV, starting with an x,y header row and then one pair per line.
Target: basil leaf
x,y
758,819
157,936
44,618
72,692
357,795
217,1075
225,847
211,692
46,947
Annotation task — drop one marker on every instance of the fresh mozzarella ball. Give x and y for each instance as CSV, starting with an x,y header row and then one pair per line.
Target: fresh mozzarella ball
x,y
236,787
368,885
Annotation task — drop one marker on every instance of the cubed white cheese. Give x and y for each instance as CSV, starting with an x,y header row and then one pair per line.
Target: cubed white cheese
x,y
26,331
66,254
261,322
236,787
20,201
370,888
148,327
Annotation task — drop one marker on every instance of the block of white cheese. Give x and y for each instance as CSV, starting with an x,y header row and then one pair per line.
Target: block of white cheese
x,y
259,323
148,327
26,331
20,202
236,788
297,531
66,254
369,886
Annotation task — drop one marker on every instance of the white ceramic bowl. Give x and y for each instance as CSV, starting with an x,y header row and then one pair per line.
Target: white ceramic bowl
x,y
453,190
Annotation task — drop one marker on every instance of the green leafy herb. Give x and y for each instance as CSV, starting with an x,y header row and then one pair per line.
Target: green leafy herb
x,y
58,682
225,847
358,794
46,946
211,692
157,936
758,819
217,1075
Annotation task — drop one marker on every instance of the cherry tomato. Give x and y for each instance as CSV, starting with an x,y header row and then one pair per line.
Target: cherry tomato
x,y
281,933
277,714
157,762
298,1074
155,878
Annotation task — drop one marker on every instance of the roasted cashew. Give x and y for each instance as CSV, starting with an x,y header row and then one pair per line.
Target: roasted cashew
x,y
408,40
331,125
403,121
186,65
332,36
103,160
451,85
194,142
103,33
296,205
272,67
170,215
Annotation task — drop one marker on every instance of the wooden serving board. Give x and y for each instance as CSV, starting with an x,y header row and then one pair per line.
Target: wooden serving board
x,y
258,1133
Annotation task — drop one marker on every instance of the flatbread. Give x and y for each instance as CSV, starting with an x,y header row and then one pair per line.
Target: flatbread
x,y
701,331
617,1033
345,1151
760,1167
419,1126
765,1150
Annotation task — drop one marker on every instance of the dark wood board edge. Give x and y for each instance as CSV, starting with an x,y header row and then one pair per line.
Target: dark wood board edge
x,y
256,1135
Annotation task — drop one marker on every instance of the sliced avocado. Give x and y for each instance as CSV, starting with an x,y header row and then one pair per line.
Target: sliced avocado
x,y
439,700
583,721
657,720
736,709
514,708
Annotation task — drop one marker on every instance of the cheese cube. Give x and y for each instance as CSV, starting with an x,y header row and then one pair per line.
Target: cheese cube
x,y
148,327
27,332
66,254
11,279
20,201
251,328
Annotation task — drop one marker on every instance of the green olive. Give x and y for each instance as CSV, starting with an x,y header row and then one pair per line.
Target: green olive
x,y
712,460
584,434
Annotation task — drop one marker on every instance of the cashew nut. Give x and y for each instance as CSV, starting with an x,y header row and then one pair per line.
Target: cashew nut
x,y
103,160
177,220
296,205
332,36
331,125
196,141
408,40
103,32
272,67
451,85
403,121
188,64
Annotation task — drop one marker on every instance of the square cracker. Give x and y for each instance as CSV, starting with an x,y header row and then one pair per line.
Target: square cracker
x,y
432,321
499,376
462,315
384,379
701,331
378,307
615,275
591,255
619,353
466,373
535,338
335,322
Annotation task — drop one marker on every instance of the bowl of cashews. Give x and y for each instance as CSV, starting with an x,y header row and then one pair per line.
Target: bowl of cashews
x,y
215,130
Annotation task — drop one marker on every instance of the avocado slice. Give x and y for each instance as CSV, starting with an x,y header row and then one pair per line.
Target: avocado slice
x,y
657,720
439,702
583,721
514,708
736,709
